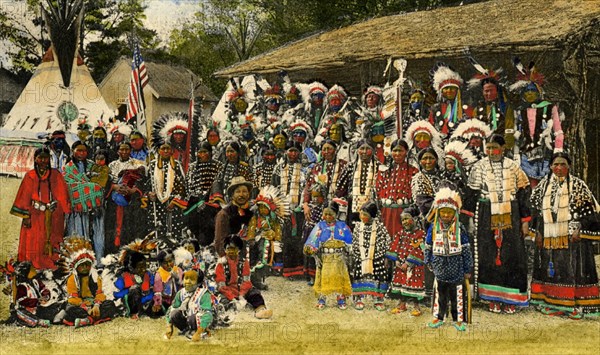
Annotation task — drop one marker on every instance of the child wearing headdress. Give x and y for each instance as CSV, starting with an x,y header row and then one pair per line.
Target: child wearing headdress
x,y
329,243
448,255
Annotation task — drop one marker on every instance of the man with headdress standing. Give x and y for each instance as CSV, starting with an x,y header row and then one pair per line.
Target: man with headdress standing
x,y
539,120
42,201
450,110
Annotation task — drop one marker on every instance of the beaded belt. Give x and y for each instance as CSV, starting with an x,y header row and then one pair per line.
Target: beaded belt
x,y
41,206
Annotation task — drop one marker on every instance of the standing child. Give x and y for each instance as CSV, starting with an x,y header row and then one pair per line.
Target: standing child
x,y
317,202
448,255
191,311
167,281
406,252
369,245
264,234
329,243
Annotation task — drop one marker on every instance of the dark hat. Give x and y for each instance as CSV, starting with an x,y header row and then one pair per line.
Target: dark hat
x,y
370,207
238,181
233,239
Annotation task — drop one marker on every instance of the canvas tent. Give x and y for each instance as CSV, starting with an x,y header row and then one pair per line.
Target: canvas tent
x,y
44,106
561,36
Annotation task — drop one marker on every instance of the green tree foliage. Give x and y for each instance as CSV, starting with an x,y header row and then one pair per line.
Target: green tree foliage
x,y
108,28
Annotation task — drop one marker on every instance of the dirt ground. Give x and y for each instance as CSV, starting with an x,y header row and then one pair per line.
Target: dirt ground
x,y
297,327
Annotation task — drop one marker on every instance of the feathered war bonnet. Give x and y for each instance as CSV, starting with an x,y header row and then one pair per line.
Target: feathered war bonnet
x,y
275,201
445,197
426,127
74,251
528,79
458,151
442,75
472,128
166,125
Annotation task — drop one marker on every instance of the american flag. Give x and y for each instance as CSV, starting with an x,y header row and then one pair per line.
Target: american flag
x,y
135,99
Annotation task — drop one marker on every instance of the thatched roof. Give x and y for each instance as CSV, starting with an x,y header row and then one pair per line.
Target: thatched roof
x,y
174,82
494,25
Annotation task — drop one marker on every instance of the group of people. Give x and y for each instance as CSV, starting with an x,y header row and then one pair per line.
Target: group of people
x,y
439,203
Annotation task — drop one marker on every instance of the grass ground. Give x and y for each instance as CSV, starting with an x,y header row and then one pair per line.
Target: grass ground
x,y
297,327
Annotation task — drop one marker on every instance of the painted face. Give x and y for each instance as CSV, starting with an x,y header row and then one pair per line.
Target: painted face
x,y
100,160
377,133
190,282
335,104
417,96
490,92
328,152
203,155
399,154
165,152
58,143
137,142
269,157
84,268
447,214
408,222
317,197
531,96
560,167
291,99
335,133
272,105
365,153
213,138
118,137
83,134
372,100
43,162
293,154
179,137
168,263
316,99
241,195
449,92
494,151
475,142
263,210
428,161
232,251
80,153
240,105
32,272
99,134
450,164
279,141
231,154
124,152
247,134
365,217
299,136
422,140
140,268
329,215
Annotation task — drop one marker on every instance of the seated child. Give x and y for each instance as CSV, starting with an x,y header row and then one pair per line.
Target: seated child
x,y
406,252
31,297
167,281
86,303
448,255
135,286
191,310
329,243
233,278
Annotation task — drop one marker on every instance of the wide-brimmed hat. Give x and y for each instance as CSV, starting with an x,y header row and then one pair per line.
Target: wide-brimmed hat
x,y
238,181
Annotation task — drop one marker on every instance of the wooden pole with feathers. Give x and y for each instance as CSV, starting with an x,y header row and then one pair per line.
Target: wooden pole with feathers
x,y
400,65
